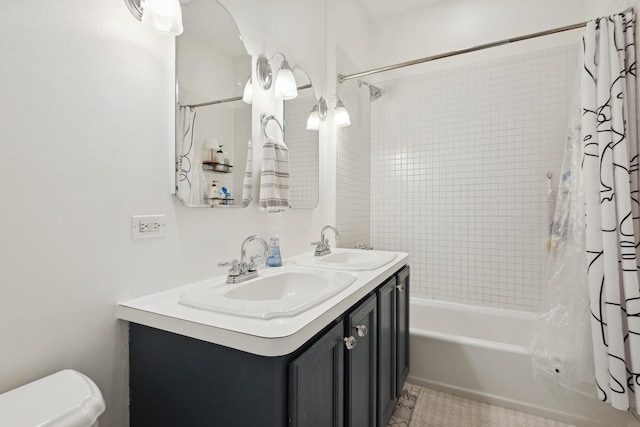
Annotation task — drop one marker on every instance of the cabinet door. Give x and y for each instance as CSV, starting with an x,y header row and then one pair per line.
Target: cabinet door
x,y
361,365
402,328
316,385
387,351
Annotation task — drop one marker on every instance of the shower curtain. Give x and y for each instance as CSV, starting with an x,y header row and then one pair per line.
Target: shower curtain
x,y
597,216
610,170
189,187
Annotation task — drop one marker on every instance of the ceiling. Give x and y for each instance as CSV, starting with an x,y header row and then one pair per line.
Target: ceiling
x,y
378,9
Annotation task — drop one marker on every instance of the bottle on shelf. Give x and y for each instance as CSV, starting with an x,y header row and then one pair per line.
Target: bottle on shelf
x,y
220,155
213,194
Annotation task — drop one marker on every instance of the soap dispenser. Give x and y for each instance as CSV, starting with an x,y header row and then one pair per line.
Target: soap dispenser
x,y
220,155
274,260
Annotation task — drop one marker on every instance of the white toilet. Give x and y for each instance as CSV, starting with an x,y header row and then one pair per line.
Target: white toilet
x,y
64,399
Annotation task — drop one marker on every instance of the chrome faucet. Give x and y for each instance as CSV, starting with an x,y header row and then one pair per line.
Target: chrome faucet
x,y
322,247
241,271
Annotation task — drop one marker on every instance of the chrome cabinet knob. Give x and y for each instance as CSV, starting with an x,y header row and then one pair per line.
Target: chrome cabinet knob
x,y
400,288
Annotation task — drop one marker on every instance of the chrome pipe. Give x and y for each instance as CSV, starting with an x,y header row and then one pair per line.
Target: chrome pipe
x,y
342,78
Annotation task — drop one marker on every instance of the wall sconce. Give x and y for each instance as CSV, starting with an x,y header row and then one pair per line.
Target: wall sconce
x,y
319,113
286,87
162,15
247,96
341,115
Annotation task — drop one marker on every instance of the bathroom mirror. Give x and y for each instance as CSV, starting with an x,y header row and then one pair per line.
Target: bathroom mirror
x,y
303,145
213,123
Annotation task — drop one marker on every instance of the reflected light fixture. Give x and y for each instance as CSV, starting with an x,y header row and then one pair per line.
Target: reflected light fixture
x,y
247,96
285,86
318,113
162,15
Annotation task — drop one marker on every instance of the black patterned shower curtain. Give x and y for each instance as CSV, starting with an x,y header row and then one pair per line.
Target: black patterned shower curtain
x,y
588,330
610,174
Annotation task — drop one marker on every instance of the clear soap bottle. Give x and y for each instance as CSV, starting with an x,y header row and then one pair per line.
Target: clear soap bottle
x,y
220,155
214,194
274,260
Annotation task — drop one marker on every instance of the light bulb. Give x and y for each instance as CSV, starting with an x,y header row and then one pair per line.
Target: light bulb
x,y
286,87
313,121
163,15
247,96
341,115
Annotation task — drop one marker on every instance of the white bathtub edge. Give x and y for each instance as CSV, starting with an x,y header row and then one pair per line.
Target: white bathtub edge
x,y
503,402
510,348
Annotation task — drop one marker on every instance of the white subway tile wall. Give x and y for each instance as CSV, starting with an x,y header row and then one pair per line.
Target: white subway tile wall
x,y
303,145
459,160
353,161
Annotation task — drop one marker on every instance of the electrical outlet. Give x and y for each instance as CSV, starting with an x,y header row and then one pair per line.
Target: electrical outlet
x,y
143,226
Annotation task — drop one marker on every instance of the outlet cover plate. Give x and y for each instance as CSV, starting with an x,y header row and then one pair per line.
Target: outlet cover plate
x,y
145,226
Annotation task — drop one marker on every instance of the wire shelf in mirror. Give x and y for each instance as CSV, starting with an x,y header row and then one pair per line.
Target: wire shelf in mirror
x,y
216,167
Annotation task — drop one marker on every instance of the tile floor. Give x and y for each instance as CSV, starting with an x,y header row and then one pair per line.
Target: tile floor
x,y
423,407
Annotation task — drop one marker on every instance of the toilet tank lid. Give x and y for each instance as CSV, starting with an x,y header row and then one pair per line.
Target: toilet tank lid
x,y
64,399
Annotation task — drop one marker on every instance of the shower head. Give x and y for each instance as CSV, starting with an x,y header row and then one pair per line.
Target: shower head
x,y
375,92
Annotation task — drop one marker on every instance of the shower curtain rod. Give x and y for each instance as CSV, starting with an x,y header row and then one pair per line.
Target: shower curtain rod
x,y
220,101
342,78
237,98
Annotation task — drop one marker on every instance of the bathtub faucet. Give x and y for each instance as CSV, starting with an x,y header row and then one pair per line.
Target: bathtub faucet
x,y
322,247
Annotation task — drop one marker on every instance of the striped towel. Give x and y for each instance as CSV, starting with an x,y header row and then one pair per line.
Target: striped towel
x,y
247,184
274,176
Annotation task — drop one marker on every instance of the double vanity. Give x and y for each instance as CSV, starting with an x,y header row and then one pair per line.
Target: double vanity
x,y
320,341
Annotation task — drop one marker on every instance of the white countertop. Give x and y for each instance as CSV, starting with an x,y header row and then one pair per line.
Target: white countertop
x,y
272,337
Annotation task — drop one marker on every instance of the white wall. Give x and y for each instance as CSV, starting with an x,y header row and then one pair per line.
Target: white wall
x,y
86,117
596,8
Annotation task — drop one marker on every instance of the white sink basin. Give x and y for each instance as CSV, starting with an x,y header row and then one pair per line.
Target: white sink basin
x,y
284,293
348,259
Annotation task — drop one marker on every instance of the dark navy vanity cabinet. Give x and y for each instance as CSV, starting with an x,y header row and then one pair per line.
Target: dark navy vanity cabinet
x,y
349,374
393,333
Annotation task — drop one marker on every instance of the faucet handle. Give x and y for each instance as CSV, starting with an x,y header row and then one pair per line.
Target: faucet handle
x,y
318,243
252,262
235,266
232,263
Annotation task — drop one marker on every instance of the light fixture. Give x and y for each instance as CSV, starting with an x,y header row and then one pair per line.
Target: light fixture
x,y
341,115
247,96
162,15
319,113
313,121
286,87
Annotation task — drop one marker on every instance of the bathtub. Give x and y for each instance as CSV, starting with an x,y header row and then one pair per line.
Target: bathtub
x,y
482,354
